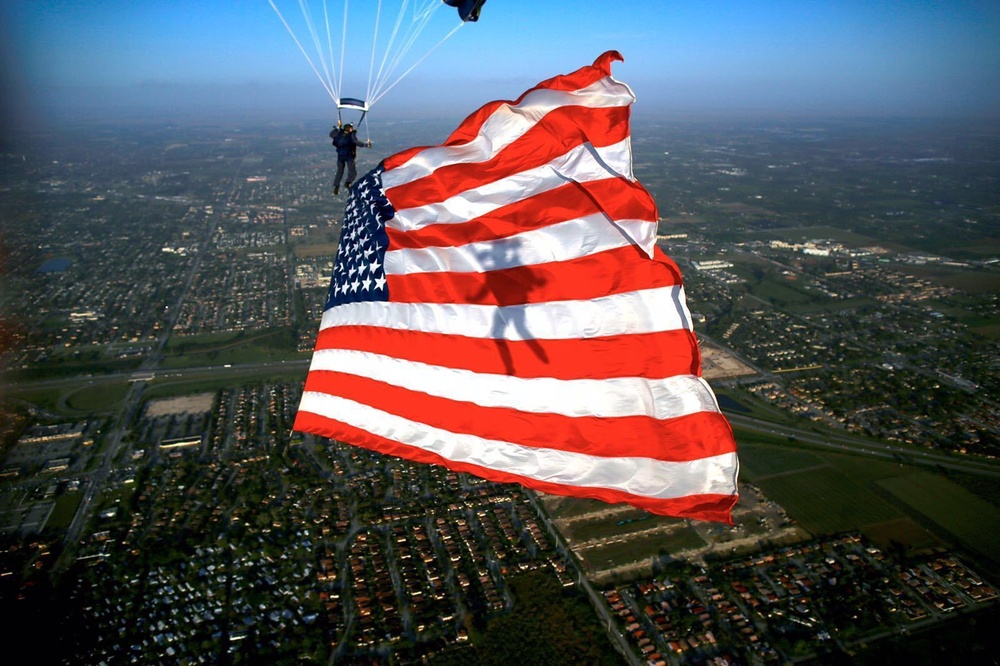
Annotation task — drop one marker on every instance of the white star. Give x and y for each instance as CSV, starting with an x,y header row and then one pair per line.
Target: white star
x,y
380,283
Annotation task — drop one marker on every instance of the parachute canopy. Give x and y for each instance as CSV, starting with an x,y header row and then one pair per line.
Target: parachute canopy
x,y
468,10
354,104
386,38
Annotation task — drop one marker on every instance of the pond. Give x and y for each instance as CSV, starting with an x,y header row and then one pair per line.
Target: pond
x,y
55,265
728,404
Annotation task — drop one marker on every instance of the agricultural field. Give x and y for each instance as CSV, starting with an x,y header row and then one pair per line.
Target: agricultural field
x,y
758,463
888,501
825,500
630,548
974,522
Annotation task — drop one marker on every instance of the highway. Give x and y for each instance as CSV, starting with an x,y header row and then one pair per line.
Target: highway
x,y
796,435
847,443
177,374
115,445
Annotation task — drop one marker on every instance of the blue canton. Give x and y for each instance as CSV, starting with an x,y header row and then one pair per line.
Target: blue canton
x,y
359,272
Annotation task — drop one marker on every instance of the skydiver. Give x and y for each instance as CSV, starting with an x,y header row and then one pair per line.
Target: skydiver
x,y
346,141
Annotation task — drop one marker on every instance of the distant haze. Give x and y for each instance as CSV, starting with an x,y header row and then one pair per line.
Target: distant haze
x,y
116,58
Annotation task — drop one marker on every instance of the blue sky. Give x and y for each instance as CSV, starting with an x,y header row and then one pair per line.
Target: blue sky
x,y
836,57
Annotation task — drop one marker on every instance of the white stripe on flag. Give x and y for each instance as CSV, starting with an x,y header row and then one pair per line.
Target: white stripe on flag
x,y
562,241
644,477
582,164
644,311
666,398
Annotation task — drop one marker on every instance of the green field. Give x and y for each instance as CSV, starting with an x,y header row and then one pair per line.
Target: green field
x,y
69,367
973,281
826,500
96,399
635,520
903,531
86,397
234,348
854,303
636,550
780,290
64,511
758,461
46,399
972,520
888,501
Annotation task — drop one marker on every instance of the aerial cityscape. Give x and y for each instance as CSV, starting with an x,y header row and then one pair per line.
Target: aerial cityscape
x,y
162,291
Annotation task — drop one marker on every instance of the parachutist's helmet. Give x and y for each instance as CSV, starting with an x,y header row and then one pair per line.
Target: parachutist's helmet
x,y
348,127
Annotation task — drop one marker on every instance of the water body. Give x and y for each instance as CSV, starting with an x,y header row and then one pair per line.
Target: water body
x,y
730,405
55,265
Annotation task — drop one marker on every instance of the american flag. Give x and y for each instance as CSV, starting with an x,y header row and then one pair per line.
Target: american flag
x,y
499,307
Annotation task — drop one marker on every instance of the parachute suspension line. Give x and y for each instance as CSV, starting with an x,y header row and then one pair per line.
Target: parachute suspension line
x,y
388,49
343,54
421,16
329,41
329,89
381,93
401,41
411,38
311,25
371,65
364,121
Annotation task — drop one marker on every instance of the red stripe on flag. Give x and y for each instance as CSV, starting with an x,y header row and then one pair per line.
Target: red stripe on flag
x,y
714,507
612,272
618,198
648,355
681,439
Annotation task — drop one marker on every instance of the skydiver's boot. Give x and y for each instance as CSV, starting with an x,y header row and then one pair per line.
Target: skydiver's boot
x,y
347,185
336,190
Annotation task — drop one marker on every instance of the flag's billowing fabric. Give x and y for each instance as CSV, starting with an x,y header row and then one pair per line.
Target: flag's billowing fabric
x,y
499,307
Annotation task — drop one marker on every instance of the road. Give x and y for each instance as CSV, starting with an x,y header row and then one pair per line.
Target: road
x,y
619,642
113,446
827,439
179,374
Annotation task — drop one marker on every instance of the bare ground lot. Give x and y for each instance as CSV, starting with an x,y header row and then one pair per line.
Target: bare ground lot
x,y
189,404
718,363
